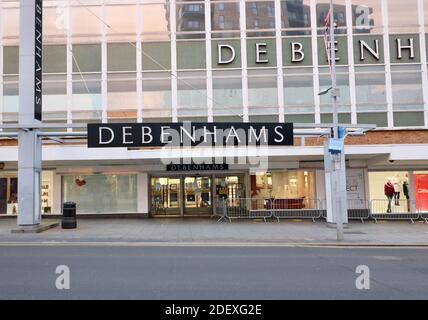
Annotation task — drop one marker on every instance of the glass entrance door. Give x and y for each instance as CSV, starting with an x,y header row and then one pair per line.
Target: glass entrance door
x,y
197,195
166,196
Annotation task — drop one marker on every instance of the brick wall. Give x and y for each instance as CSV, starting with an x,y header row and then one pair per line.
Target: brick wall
x,y
377,137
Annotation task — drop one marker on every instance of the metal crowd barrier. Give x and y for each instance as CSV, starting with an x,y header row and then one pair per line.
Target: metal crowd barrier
x,y
402,209
358,209
254,208
421,206
296,209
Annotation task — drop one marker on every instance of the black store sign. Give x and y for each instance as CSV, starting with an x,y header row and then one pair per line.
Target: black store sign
x,y
197,167
38,60
128,135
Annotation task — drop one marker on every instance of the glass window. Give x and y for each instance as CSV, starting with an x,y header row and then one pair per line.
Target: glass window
x,y
87,99
399,181
11,60
55,96
8,193
55,59
367,16
260,15
155,21
344,100
121,29
10,94
426,14
298,187
403,16
109,193
370,90
420,190
296,15
227,93
121,95
10,25
323,8
192,94
298,92
55,23
157,99
87,58
85,26
191,18
225,16
262,94
121,57
407,91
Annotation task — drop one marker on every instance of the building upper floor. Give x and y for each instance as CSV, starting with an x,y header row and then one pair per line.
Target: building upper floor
x,y
224,60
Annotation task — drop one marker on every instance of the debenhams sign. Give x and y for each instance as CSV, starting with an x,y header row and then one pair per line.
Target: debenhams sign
x,y
119,135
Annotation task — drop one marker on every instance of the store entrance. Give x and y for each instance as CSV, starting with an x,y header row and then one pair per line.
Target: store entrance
x,y
197,196
192,195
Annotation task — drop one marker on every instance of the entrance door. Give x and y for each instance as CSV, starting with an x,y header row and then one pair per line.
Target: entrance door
x,y
166,196
197,195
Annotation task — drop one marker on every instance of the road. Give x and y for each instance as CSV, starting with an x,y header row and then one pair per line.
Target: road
x,y
144,272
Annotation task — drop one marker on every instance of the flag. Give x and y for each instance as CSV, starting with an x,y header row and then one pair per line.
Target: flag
x,y
327,25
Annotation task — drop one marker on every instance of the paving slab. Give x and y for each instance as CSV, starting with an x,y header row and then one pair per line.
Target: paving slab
x,y
210,231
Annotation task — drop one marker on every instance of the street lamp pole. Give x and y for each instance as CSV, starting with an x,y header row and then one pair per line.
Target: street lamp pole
x,y
334,95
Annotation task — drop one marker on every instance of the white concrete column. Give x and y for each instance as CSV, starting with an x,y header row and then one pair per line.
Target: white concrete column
x,y
388,74
139,63
143,198
315,70
243,27
56,194
280,72
320,187
208,55
174,78
29,149
412,194
104,71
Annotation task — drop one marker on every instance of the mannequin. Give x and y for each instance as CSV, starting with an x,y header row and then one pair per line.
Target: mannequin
x,y
397,191
389,193
406,192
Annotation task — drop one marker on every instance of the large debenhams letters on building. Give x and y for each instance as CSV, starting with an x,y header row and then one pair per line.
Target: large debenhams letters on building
x,y
123,135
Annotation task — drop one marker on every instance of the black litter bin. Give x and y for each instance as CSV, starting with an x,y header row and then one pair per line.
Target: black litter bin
x,y
69,220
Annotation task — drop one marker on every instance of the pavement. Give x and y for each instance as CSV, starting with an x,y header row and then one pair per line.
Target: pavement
x,y
205,232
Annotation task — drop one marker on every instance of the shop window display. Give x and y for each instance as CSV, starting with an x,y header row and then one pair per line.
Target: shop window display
x,y
287,189
389,191
421,190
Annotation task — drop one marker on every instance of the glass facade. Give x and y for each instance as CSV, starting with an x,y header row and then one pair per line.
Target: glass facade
x,y
101,193
169,61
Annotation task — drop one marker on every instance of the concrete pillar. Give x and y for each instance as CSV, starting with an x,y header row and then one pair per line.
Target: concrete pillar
x,y
30,102
56,191
412,192
143,197
29,178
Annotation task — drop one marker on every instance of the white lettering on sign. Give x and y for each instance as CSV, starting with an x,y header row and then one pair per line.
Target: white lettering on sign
x,y
409,47
101,141
257,137
147,135
261,49
297,50
125,134
365,46
221,60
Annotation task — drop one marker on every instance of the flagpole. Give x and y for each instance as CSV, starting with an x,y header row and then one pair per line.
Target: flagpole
x,y
334,95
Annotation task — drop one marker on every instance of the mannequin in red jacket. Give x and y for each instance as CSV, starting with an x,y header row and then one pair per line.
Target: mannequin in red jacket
x,y
389,193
